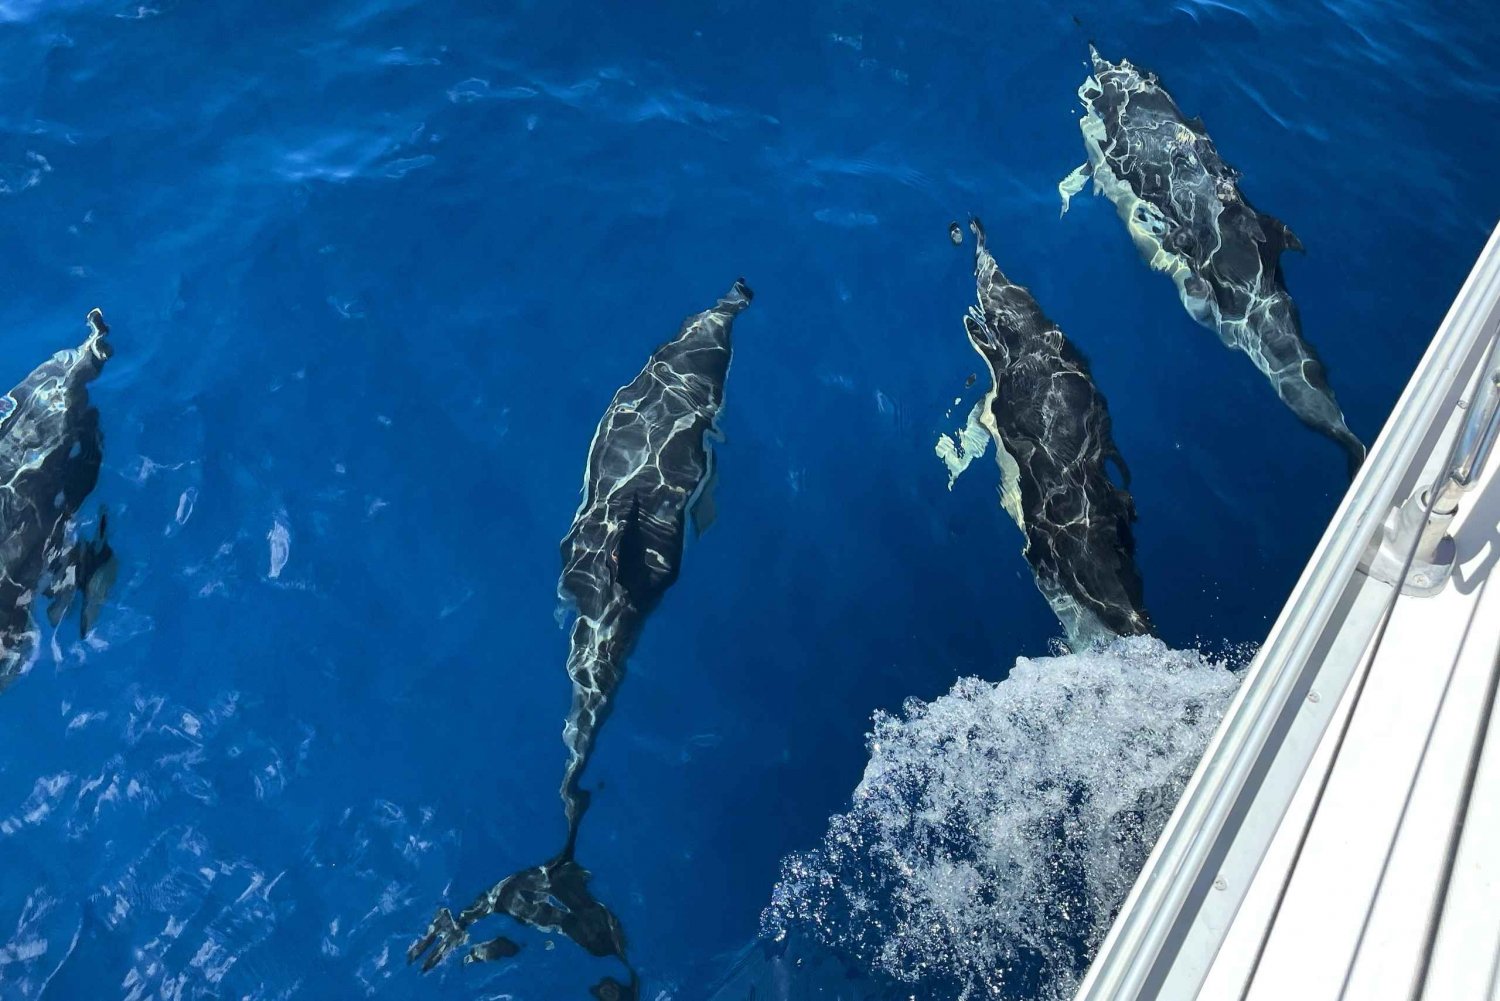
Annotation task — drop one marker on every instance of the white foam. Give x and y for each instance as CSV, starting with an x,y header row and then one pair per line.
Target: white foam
x,y
998,828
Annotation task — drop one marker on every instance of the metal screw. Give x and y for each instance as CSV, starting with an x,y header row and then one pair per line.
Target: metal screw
x,y
1221,883
1313,696
1421,579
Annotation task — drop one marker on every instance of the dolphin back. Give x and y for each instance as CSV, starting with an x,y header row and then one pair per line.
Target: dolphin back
x,y
649,462
1055,445
1183,207
649,456
51,449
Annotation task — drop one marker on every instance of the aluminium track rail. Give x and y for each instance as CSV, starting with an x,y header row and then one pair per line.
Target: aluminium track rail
x,y
1167,935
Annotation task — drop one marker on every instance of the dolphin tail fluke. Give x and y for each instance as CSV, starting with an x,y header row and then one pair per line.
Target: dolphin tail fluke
x,y
554,897
442,931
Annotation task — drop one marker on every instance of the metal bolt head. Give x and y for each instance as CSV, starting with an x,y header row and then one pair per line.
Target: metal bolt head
x,y
1313,696
1421,579
1221,883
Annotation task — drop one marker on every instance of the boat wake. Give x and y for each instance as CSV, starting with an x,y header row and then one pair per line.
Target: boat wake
x,y
998,828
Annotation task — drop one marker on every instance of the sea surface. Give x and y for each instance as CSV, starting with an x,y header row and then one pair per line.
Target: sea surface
x,y
374,270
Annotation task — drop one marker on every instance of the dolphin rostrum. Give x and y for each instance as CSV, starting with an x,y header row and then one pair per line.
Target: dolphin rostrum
x,y
50,451
1184,209
1054,444
650,468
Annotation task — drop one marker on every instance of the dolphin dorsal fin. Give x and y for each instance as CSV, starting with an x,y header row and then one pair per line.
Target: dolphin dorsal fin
x,y
1279,236
630,570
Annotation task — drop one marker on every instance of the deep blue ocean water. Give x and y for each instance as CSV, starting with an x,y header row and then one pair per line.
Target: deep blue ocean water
x,y
374,270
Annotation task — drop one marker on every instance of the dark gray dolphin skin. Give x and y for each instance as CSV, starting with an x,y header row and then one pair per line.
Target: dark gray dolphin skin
x,y
50,451
1053,441
650,468
1183,207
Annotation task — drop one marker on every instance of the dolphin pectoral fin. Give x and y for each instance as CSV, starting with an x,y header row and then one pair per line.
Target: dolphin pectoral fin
x,y
1198,299
62,580
1072,185
1279,236
704,510
1114,458
60,598
73,567
962,447
95,592
97,569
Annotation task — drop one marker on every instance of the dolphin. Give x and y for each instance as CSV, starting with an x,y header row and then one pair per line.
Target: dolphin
x,y
1053,441
650,470
1184,209
50,451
